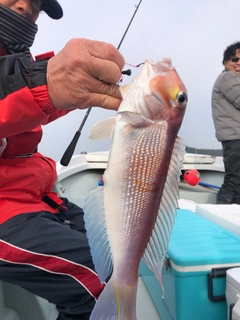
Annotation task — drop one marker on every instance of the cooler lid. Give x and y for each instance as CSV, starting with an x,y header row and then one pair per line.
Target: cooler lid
x,y
196,241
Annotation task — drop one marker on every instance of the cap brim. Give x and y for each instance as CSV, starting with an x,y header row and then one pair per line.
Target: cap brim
x,y
52,9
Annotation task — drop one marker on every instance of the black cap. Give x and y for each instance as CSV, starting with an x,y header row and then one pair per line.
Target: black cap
x,y
52,9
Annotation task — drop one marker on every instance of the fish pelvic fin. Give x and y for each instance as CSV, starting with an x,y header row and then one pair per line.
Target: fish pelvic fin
x,y
103,129
96,232
116,302
154,254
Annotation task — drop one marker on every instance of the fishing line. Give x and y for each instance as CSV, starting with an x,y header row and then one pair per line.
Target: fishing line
x,y
70,149
132,65
128,72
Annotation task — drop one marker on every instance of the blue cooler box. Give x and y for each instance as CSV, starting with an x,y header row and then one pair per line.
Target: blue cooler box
x,y
194,273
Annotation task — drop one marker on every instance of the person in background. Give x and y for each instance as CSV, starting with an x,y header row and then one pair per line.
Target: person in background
x,y
43,246
226,118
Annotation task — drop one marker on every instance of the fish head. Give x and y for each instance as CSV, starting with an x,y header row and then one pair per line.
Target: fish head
x,y
158,93
165,95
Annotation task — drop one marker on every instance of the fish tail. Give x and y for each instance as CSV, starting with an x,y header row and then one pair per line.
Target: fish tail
x,y
116,302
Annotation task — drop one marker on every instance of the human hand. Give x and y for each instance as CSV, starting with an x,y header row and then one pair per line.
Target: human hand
x,y
84,74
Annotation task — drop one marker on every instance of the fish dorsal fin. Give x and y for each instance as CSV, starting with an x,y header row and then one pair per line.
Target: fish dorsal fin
x,y
95,224
102,129
157,246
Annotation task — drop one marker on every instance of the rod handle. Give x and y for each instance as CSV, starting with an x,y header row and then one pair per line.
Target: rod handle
x,y
70,150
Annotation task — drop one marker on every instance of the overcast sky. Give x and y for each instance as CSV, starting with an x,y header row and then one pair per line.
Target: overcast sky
x,y
193,34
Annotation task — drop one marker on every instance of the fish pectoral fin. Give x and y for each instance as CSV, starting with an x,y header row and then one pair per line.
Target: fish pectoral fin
x,y
102,129
135,119
96,232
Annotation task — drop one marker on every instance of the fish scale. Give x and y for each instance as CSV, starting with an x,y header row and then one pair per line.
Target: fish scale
x,y
132,214
142,191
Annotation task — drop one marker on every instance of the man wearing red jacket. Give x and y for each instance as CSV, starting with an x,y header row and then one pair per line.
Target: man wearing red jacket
x,y
43,247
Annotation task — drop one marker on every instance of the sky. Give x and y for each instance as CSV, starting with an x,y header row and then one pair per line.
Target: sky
x,y
193,34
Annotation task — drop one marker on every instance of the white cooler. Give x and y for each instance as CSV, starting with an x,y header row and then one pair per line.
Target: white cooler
x,y
233,293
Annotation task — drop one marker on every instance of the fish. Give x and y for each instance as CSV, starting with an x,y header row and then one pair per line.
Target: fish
x,y
130,215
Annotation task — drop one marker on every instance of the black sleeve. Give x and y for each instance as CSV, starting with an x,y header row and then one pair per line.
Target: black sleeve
x,y
18,71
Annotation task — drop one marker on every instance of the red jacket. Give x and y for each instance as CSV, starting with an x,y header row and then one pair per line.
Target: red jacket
x,y
26,176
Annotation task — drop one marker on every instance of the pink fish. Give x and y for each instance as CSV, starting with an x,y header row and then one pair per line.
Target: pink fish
x,y
132,214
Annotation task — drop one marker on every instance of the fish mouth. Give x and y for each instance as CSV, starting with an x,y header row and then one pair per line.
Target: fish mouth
x,y
161,67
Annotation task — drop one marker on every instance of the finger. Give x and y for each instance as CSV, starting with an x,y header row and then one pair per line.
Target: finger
x,y
100,87
104,70
103,101
108,89
109,103
106,51
105,96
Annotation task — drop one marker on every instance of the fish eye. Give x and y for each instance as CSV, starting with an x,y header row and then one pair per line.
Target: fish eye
x,y
181,98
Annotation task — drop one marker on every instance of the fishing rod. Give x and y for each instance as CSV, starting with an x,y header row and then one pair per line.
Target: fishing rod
x,y
70,149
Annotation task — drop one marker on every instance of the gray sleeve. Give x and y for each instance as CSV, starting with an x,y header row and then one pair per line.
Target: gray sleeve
x,y
229,85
